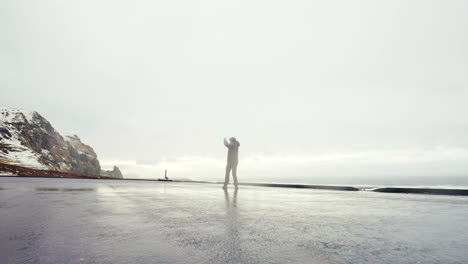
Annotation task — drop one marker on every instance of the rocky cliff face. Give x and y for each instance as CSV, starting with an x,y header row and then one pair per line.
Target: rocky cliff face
x,y
28,139
115,173
83,158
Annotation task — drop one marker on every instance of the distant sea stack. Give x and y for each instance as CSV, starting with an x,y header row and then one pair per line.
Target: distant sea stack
x,y
28,139
114,173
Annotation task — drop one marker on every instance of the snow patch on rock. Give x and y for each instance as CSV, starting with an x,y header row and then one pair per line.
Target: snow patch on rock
x,y
7,173
14,115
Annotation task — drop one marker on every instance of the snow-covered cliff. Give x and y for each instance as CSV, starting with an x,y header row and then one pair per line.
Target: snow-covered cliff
x,y
28,139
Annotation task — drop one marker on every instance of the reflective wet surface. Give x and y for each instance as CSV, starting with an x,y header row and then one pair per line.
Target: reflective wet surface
x,y
101,221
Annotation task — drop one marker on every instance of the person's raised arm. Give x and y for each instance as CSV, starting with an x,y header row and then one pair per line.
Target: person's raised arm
x,y
226,143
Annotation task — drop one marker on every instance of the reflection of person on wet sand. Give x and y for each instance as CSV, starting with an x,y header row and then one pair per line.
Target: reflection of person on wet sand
x,y
234,199
232,160
232,252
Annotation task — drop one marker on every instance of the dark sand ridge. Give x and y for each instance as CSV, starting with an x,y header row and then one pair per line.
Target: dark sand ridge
x,y
423,191
433,191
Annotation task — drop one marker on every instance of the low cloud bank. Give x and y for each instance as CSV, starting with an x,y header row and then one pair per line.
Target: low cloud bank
x,y
438,161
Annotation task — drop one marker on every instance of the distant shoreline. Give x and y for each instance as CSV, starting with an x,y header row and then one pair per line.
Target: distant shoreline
x,y
401,190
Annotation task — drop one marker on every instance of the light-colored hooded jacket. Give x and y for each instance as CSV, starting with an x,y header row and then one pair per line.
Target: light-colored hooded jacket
x,y
233,151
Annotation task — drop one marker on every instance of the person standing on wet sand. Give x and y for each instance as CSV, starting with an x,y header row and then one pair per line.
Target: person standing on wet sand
x,y
232,160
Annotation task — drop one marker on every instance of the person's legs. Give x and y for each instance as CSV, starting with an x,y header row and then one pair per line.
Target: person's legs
x,y
234,174
226,178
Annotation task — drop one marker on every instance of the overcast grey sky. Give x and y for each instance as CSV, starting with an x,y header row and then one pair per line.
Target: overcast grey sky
x,y
310,88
